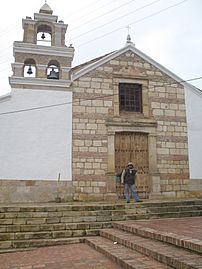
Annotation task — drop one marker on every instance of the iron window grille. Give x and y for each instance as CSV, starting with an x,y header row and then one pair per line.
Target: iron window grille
x,y
130,97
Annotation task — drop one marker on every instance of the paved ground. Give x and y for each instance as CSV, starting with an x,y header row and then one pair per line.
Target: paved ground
x,y
81,256
74,256
190,227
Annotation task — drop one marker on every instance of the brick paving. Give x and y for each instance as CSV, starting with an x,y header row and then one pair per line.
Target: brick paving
x,y
190,226
74,256
81,256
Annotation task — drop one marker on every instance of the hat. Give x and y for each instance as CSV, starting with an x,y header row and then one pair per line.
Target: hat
x,y
130,163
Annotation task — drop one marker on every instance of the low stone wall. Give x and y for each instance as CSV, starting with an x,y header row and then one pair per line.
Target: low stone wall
x,y
195,188
26,191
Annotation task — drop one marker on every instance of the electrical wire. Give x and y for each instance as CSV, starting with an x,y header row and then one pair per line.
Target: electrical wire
x,y
131,12
137,21
104,14
80,101
86,15
123,27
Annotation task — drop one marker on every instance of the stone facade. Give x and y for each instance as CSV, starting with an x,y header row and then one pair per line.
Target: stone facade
x,y
96,118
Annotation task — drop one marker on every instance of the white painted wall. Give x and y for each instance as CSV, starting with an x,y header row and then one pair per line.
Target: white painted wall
x,y
36,144
194,121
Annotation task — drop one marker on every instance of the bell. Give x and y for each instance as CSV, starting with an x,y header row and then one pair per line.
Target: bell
x,y
29,71
53,74
43,36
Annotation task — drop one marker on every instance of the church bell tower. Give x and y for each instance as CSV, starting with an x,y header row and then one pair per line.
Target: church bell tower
x,y
42,60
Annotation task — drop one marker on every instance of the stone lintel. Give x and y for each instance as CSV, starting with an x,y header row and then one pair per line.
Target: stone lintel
x,y
39,82
21,47
131,123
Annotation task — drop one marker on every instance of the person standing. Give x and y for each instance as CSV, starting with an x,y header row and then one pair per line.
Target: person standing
x,y
128,179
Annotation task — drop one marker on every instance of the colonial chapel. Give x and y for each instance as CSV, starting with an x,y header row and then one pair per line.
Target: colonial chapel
x,y
74,128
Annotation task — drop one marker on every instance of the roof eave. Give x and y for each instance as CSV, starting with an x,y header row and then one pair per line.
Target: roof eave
x,y
131,46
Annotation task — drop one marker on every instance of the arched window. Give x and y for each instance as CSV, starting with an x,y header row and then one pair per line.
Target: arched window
x,y
44,35
29,68
53,70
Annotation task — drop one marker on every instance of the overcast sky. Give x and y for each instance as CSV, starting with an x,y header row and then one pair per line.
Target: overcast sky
x,y
169,31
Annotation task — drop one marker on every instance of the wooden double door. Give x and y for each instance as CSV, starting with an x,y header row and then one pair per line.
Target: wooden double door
x,y
133,147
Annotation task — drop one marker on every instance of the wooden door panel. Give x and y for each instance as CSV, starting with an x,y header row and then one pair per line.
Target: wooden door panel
x,y
133,147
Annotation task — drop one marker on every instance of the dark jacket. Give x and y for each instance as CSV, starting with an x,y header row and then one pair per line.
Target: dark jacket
x,y
128,176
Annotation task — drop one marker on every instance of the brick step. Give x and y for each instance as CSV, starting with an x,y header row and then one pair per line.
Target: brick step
x,y
167,237
7,246
123,256
170,255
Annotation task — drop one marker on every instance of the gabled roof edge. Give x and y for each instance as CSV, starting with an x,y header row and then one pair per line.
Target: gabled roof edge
x,y
132,47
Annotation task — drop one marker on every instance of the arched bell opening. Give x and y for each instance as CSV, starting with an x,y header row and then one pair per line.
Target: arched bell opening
x,y
53,70
44,35
29,68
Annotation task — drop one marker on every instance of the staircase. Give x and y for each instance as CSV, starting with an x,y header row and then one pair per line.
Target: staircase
x,y
174,209
56,224
38,225
132,246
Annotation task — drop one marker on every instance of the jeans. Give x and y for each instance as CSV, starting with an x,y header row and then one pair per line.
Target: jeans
x,y
133,190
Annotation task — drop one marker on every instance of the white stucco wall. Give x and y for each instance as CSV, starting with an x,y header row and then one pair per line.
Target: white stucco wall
x,y
194,121
36,144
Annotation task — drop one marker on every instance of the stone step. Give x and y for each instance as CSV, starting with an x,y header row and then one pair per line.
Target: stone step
x,y
62,207
54,227
7,246
175,214
55,220
34,218
164,203
46,214
167,237
62,220
151,215
170,255
183,208
123,256
11,250
47,235
51,231
35,225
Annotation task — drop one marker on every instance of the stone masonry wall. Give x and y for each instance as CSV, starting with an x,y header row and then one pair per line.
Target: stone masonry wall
x,y
90,136
95,101
32,191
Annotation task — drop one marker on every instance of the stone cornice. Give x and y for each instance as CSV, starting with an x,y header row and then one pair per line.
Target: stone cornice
x,y
39,82
22,47
46,17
